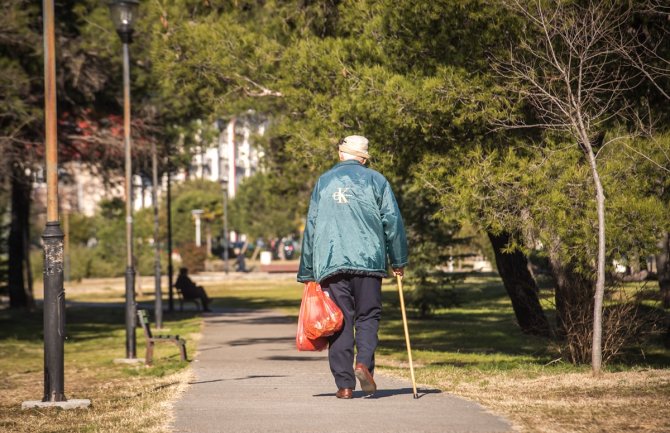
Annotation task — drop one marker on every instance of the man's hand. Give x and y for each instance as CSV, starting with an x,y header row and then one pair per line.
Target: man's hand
x,y
399,272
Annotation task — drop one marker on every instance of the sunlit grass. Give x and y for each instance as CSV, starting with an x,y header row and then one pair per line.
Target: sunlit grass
x,y
124,398
282,294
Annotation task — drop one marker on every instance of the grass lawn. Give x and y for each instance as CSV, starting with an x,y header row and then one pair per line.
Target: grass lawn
x,y
475,351
124,398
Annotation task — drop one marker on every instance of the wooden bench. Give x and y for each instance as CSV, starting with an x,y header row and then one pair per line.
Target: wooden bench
x,y
152,339
182,299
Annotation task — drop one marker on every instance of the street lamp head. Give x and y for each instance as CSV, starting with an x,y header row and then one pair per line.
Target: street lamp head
x,y
123,15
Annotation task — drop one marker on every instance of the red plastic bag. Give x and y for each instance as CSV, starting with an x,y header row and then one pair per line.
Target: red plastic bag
x,y
305,344
319,317
322,316
302,342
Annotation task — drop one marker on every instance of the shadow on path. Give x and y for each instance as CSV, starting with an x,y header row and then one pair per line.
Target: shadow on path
x,y
293,358
262,340
382,393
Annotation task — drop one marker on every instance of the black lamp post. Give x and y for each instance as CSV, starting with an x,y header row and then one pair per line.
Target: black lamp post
x,y
158,303
54,293
123,15
169,233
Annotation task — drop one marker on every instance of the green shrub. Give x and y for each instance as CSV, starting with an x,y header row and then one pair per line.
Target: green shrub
x,y
193,257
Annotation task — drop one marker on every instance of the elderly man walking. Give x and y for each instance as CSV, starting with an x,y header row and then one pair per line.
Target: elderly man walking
x,y
353,224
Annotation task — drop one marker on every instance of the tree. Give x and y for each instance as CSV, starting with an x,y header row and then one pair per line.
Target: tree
x,y
89,101
21,102
663,269
410,76
520,286
191,195
262,210
19,120
571,71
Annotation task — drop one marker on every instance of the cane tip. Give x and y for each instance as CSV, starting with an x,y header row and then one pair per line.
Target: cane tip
x,y
416,396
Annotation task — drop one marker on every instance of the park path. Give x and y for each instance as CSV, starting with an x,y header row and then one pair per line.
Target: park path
x,y
248,377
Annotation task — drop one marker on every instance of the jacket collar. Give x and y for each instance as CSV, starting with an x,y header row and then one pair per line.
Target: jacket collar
x,y
348,162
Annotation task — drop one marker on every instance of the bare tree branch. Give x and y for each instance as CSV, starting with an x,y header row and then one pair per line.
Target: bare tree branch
x,y
577,70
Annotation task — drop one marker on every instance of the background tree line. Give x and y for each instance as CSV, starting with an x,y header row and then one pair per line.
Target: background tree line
x,y
518,116
89,117
468,105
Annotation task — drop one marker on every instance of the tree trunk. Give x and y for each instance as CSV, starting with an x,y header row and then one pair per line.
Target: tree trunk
x,y
19,276
574,310
520,286
663,270
573,295
596,352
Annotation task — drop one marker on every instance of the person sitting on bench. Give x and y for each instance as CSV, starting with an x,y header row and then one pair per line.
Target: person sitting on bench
x,y
189,290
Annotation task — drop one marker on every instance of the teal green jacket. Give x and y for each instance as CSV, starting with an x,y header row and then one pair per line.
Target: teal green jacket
x,y
353,224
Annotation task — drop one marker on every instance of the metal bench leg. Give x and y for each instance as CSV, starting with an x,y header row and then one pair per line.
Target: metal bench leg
x,y
182,350
149,356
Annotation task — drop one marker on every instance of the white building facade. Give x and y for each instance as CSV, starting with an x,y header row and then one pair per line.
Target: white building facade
x,y
232,156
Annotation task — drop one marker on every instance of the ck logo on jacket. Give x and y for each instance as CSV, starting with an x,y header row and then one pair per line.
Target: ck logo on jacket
x,y
341,195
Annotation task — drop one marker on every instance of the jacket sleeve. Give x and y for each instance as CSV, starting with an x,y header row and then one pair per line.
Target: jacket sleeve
x,y
394,229
306,269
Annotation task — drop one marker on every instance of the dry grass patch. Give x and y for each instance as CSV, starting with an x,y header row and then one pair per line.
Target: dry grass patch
x,y
124,398
561,402
122,404
477,351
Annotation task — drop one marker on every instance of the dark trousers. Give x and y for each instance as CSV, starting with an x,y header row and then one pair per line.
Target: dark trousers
x,y
360,299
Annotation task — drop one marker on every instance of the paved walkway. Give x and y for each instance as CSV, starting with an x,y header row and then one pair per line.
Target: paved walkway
x,y
250,378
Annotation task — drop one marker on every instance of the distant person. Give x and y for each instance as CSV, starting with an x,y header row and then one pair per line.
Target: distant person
x,y
281,253
353,224
240,259
190,290
289,248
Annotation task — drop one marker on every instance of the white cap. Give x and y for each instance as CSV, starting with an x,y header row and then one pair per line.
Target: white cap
x,y
356,145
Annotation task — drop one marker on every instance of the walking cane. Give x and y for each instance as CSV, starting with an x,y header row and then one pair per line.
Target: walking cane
x,y
404,323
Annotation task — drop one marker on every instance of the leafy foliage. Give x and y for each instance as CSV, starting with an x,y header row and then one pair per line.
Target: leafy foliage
x,y
415,77
262,210
417,80
188,196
